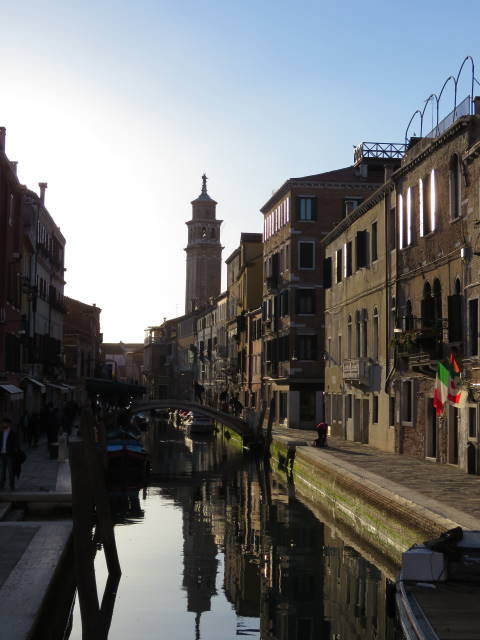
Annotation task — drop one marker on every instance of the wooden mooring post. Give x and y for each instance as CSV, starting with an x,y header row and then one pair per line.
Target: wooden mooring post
x,y
89,504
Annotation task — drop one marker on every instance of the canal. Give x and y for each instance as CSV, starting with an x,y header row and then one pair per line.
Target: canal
x,y
217,548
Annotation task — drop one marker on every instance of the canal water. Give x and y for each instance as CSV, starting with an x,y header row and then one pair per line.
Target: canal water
x,y
215,548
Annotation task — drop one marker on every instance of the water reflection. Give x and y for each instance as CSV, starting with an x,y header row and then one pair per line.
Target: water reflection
x,y
254,560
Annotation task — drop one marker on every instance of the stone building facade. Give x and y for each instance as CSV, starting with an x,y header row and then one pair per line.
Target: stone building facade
x,y
296,218
359,277
437,290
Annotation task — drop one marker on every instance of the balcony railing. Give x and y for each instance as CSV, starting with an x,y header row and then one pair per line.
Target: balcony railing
x,y
391,150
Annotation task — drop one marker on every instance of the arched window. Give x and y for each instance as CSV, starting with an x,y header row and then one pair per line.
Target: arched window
x,y
455,190
212,232
437,296
408,317
204,232
349,337
375,333
428,314
455,313
457,287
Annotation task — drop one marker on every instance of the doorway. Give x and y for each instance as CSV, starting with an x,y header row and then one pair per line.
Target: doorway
x,y
453,429
432,430
365,421
356,420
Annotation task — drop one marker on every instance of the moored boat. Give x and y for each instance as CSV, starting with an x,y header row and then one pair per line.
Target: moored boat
x,y
438,590
125,453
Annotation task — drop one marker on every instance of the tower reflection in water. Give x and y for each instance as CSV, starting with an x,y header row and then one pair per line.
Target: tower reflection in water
x,y
286,575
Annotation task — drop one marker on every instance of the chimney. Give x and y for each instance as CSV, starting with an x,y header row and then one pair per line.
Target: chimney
x,y
43,186
3,133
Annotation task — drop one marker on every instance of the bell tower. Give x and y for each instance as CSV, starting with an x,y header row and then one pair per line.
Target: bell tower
x,y
204,252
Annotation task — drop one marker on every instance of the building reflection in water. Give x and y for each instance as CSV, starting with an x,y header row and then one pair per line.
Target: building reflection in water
x,y
282,566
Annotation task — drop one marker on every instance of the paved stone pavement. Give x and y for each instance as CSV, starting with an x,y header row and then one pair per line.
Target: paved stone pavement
x,y
39,472
443,483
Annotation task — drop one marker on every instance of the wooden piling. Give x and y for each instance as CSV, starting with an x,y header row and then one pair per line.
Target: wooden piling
x,y
82,512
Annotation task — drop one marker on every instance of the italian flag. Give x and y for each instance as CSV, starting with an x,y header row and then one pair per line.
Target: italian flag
x,y
447,386
440,394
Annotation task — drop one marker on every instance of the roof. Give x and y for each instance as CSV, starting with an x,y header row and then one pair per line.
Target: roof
x,y
251,237
204,197
349,175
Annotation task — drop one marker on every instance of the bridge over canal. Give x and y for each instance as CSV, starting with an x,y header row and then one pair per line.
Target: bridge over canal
x,y
239,425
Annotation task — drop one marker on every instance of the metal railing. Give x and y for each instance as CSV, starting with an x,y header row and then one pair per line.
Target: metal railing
x,y
379,150
462,109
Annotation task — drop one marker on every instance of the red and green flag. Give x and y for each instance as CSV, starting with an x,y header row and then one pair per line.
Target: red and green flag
x,y
447,386
440,394
456,396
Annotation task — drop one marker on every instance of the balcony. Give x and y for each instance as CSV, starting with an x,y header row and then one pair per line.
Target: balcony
x,y
271,283
420,346
356,370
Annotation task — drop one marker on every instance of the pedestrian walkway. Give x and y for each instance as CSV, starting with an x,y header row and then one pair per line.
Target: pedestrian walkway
x,y
30,552
441,488
39,472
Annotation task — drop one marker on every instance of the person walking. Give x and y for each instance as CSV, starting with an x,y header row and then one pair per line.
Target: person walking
x,y
8,450
322,432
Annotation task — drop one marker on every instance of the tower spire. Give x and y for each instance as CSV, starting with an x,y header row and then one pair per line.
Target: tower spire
x,y
204,183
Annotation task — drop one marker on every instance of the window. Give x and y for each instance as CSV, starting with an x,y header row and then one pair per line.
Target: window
x,y
408,218
364,332
426,194
284,303
361,248
455,314
358,333
406,405
473,327
455,187
307,347
374,242
339,265
392,230
348,259
472,422
349,204
305,299
327,273
375,334
401,223
409,322
375,409
349,337
306,209
306,255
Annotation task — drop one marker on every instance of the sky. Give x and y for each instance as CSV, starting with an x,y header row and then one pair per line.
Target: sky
x,y
122,106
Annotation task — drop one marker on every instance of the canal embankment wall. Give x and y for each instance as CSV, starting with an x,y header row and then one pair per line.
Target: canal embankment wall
x,y
388,516
387,501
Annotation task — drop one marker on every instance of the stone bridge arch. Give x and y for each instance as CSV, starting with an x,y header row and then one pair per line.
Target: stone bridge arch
x,y
237,424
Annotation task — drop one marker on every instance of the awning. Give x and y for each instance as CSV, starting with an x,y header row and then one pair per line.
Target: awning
x,y
15,392
58,387
40,386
